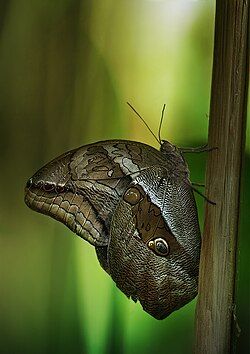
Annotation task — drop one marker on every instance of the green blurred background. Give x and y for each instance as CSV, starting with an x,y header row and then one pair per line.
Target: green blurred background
x,y
67,69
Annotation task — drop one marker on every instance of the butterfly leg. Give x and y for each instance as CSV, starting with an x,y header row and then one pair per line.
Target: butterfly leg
x,y
203,195
198,184
202,148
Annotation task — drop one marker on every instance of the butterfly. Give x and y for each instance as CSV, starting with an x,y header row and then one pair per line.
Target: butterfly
x,y
135,205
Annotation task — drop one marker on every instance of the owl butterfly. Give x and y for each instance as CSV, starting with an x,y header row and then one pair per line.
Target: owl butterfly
x,y
136,206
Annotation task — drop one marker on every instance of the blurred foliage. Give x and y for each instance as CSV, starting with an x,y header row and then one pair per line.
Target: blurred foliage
x,y
67,69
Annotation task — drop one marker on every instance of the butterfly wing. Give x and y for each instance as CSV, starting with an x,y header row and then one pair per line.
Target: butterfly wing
x,y
161,282
82,187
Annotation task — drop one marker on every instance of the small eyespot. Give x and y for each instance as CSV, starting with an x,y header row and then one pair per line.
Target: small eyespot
x,y
132,196
48,187
159,246
60,189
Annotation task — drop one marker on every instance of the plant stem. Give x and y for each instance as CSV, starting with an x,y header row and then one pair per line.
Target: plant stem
x,y
227,125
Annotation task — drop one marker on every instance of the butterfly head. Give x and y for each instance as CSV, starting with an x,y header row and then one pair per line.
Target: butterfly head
x,y
168,148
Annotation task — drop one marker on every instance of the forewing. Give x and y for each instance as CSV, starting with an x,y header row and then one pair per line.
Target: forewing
x,y
82,187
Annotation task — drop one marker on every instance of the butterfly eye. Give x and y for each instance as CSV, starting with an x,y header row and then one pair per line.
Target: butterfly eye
x,y
159,246
132,196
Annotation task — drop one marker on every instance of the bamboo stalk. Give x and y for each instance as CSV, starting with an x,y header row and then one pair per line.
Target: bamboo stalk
x,y
215,307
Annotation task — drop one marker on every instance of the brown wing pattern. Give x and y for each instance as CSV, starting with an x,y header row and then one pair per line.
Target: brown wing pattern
x,y
82,187
136,206
162,282
149,221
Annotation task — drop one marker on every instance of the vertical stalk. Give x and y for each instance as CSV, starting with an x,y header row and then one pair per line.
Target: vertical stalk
x,y
215,307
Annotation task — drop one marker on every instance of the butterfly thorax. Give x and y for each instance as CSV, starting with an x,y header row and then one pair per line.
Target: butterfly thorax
x,y
177,165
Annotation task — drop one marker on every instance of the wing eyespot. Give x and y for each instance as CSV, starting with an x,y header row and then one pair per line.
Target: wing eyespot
x,y
60,189
159,246
47,187
132,196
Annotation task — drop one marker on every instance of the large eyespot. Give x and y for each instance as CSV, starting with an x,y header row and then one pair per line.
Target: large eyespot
x,y
159,246
132,196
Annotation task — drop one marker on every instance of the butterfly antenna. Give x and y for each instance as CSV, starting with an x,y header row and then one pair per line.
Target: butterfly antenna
x,y
160,125
158,141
